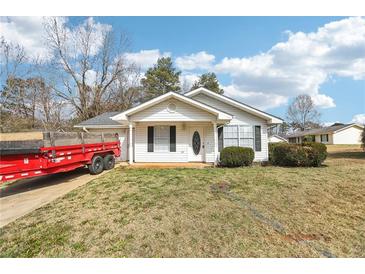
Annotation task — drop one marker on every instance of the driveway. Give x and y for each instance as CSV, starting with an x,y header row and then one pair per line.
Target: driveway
x,y
24,196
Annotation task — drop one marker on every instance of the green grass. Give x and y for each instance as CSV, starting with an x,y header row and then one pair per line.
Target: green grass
x,y
214,212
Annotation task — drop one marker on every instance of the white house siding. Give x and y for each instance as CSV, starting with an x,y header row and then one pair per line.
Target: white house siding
x,y
184,112
240,117
123,137
183,143
351,135
209,143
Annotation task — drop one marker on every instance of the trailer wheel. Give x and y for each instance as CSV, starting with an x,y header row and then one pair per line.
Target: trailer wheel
x,y
109,161
97,165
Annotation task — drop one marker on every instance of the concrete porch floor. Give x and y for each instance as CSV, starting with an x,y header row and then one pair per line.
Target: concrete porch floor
x,y
167,165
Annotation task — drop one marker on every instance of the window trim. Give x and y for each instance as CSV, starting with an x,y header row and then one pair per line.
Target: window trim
x,y
327,138
239,138
155,138
247,138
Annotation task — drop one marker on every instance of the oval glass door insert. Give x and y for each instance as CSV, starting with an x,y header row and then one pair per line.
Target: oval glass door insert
x,y
196,143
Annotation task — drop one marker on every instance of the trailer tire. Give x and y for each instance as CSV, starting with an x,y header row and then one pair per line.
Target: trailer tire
x,y
97,165
109,162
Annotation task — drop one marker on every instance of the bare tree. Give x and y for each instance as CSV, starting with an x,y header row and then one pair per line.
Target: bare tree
x,y
302,113
12,58
126,91
91,62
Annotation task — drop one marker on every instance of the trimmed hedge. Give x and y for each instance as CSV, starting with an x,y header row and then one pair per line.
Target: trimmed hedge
x,y
304,155
236,156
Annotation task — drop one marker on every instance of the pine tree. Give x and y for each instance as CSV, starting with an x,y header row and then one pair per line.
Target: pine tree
x,y
160,79
208,81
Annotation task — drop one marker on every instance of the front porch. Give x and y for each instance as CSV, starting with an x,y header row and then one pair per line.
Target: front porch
x,y
173,142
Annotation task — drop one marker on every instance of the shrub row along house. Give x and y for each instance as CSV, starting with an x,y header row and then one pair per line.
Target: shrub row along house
x,y
190,127
337,134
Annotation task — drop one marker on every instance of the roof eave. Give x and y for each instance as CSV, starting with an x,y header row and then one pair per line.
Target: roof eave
x,y
269,118
98,126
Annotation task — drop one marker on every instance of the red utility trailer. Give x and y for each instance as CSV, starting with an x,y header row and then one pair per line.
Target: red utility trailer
x,y
58,152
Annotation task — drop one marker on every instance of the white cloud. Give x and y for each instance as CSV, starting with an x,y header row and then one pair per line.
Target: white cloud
x,y
301,64
359,118
187,80
200,60
259,100
145,58
27,32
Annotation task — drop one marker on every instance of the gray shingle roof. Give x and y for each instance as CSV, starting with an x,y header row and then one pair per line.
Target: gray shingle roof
x,y
315,131
101,120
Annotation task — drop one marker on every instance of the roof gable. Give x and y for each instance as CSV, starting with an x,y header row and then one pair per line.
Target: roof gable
x,y
266,116
124,115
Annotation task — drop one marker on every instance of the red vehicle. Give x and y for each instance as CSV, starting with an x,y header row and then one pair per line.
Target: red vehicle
x,y
58,152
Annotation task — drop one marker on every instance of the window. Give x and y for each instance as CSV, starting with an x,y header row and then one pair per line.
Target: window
x,y
257,138
246,136
230,136
161,138
292,140
324,138
237,135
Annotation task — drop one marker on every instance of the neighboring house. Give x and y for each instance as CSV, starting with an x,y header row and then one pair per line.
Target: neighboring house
x,y
337,134
191,127
277,139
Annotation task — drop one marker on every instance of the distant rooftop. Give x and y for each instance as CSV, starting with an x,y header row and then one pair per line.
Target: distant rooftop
x,y
323,130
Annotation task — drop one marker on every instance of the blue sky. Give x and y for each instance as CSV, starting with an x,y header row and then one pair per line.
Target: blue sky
x,y
262,61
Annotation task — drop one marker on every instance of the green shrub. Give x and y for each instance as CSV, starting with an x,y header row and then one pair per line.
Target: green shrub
x,y
271,148
304,155
236,156
318,153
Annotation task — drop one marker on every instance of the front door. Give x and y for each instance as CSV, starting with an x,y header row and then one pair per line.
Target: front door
x,y
196,145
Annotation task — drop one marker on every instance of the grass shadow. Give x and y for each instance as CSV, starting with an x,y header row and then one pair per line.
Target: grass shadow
x,y
348,155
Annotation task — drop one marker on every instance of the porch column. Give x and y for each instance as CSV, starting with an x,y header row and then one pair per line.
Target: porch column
x,y
130,147
215,134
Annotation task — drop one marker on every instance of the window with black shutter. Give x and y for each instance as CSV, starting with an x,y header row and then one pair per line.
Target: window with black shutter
x,y
220,139
172,138
150,139
257,138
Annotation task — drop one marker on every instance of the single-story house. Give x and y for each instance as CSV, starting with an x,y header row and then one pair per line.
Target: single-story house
x,y
277,139
337,134
190,127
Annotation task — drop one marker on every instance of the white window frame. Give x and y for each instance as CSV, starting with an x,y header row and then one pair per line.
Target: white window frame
x,y
230,138
161,141
238,138
247,138
327,137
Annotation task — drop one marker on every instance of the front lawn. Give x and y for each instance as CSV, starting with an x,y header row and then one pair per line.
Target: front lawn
x,y
213,212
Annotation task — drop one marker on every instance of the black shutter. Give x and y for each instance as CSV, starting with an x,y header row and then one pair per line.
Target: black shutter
x,y
150,139
220,139
257,138
172,138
